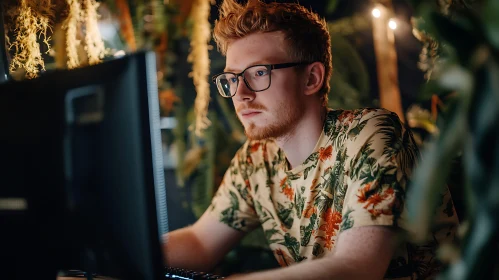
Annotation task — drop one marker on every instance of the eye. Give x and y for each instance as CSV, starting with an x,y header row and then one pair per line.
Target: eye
x,y
233,80
260,73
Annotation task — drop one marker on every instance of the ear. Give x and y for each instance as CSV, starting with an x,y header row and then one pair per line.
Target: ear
x,y
315,74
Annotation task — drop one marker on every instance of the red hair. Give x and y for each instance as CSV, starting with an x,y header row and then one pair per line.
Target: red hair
x,y
306,33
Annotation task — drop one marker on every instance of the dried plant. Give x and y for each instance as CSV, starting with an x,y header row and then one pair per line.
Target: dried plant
x,y
93,40
428,57
32,22
200,63
71,25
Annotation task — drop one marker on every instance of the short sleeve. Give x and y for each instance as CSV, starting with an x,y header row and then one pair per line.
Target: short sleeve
x,y
382,154
233,202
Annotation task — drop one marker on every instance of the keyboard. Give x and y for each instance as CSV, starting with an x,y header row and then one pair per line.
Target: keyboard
x,y
185,274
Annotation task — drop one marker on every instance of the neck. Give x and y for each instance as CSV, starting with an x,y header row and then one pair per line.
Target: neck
x,y
301,141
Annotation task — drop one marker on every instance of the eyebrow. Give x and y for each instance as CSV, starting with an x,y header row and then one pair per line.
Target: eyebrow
x,y
251,64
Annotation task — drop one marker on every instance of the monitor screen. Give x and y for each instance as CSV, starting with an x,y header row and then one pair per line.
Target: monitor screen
x,y
82,182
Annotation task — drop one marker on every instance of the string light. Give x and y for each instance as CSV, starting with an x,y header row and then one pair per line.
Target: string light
x,y
376,13
392,24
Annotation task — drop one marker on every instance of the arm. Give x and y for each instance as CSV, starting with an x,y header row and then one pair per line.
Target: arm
x,y
200,246
360,253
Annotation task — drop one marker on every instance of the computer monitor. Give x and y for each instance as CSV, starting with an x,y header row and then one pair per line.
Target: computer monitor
x,y
82,182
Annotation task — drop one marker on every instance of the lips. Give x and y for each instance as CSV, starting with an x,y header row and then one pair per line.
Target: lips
x,y
249,113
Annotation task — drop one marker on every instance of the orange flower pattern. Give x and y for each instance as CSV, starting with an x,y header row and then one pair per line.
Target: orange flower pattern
x,y
356,176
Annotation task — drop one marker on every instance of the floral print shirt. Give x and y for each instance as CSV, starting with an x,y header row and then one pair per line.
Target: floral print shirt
x,y
356,176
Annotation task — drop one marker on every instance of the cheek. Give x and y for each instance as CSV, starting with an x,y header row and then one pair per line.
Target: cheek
x,y
289,85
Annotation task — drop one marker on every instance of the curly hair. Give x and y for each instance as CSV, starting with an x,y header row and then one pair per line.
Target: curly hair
x,y
306,33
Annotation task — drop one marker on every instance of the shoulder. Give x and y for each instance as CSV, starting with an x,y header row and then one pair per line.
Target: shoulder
x,y
360,124
339,118
370,129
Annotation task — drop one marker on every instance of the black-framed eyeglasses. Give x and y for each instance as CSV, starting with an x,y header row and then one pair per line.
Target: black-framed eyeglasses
x,y
256,77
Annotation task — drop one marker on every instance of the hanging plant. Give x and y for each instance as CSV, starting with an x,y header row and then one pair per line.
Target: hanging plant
x,y
30,20
200,63
93,41
71,26
29,25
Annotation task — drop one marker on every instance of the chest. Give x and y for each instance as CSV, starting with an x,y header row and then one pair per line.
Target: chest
x,y
302,211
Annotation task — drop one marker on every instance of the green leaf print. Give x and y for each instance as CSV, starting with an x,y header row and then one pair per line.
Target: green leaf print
x,y
269,233
312,158
398,141
318,250
339,198
363,159
323,202
330,123
259,209
338,187
228,216
246,170
234,201
272,167
336,176
292,177
391,129
347,221
299,204
285,215
263,213
328,177
368,170
306,231
389,175
355,131
305,172
305,234
293,247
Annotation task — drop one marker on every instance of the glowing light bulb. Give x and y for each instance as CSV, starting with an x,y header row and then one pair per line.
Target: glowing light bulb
x,y
392,24
376,13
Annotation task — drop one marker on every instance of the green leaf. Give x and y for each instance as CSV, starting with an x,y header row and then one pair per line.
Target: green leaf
x,y
305,172
330,122
305,233
285,215
352,133
323,202
430,178
299,204
259,209
234,201
312,157
293,246
462,39
269,233
331,6
491,21
347,222
293,177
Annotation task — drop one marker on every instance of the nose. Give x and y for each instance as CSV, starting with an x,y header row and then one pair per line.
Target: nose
x,y
243,93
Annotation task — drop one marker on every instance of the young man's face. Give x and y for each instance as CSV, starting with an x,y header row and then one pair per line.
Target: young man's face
x,y
274,112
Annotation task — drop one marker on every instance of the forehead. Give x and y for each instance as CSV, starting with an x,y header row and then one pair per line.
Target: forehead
x,y
257,48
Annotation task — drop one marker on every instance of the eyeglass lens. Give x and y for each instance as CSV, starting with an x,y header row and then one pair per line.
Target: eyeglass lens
x,y
257,78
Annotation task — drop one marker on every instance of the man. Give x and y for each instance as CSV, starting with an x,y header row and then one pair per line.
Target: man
x,y
325,185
